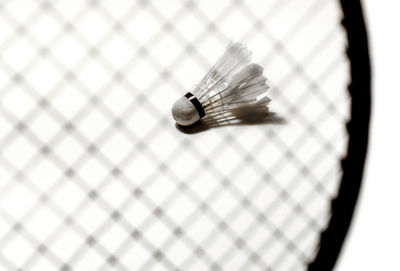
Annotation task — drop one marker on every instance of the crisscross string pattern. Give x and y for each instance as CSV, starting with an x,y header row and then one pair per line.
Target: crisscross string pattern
x,y
95,175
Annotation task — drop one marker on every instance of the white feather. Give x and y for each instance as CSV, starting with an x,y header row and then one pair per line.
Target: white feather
x,y
232,84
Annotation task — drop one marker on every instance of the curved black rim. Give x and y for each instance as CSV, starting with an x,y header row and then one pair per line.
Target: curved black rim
x,y
353,164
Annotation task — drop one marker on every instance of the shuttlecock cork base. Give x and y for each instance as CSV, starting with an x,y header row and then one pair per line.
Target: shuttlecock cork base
x,y
187,110
232,85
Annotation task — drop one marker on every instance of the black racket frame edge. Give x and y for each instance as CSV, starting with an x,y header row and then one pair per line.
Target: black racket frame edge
x,y
331,239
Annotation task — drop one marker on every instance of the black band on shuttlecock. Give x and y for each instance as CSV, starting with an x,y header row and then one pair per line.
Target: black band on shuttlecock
x,y
196,104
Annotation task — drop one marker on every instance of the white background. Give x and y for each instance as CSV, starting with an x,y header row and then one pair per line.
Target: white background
x,y
373,242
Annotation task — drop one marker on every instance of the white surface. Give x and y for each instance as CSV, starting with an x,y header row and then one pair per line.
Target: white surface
x,y
374,239
107,181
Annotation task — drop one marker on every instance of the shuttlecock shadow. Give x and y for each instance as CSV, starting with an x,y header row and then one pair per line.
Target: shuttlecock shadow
x,y
238,118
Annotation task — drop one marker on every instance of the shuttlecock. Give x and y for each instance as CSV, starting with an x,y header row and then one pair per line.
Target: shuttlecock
x,y
233,87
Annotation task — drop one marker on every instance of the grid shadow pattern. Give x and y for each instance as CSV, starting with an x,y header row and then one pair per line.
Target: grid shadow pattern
x,y
95,175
